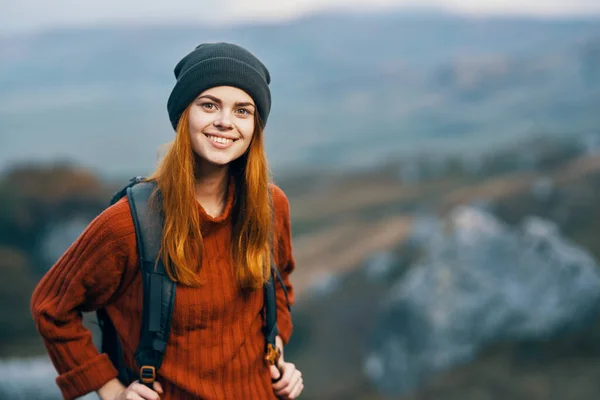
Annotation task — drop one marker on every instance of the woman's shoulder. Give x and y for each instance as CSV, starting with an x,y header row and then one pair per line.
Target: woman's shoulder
x,y
114,222
281,209
281,203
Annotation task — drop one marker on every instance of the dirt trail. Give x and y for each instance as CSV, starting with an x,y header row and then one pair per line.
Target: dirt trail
x,y
343,246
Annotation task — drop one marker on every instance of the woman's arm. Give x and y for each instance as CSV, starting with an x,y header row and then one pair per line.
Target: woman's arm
x,y
85,278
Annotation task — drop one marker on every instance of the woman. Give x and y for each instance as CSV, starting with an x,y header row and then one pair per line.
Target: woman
x,y
218,221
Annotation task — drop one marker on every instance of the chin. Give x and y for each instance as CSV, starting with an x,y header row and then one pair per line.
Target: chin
x,y
221,161
216,158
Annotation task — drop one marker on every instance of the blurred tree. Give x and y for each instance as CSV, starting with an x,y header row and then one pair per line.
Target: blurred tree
x,y
34,198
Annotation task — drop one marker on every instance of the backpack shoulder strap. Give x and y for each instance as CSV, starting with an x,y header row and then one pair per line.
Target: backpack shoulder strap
x,y
272,354
158,289
273,265
280,279
123,192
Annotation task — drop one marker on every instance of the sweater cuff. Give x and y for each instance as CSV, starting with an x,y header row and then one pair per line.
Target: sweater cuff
x,y
87,377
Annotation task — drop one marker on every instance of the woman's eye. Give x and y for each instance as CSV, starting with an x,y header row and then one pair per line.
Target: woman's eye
x,y
208,106
243,111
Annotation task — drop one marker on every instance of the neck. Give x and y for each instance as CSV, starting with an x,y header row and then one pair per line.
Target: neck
x,y
212,183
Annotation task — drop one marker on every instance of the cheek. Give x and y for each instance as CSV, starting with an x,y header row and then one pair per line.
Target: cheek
x,y
246,128
246,145
198,120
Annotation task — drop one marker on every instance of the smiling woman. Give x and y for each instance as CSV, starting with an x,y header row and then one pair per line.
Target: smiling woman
x,y
225,226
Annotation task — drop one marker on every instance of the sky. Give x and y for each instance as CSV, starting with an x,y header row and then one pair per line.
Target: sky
x,y
31,15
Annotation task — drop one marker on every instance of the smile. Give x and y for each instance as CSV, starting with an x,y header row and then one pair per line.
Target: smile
x,y
219,139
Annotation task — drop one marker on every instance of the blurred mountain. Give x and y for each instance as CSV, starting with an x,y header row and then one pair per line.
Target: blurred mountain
x,y
348,89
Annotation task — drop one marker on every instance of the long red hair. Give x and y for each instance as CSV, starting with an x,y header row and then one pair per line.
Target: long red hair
x,y
181,247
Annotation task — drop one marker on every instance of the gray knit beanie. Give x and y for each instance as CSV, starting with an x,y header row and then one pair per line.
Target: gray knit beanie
x,y
219,64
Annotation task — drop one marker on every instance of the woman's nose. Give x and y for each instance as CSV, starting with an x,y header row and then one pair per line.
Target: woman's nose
x,y
223,121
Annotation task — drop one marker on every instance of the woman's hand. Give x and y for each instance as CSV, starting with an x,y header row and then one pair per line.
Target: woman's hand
x,y
114,390
290,385
138,391
287,380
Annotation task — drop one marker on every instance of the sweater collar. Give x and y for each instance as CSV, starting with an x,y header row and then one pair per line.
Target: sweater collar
x,y
205,218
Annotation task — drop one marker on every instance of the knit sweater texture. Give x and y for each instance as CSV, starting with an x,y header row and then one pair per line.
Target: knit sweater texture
x,y
216,344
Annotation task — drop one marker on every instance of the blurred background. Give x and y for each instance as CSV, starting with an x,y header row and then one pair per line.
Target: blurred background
x,y
442,161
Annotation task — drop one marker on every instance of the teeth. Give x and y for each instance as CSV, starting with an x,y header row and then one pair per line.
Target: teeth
x,y
219,139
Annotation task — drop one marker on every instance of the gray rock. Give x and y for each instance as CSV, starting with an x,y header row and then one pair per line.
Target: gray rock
x,y
378,265
480,282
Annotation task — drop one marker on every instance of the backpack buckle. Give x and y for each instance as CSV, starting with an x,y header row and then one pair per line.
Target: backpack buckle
x,y
147,374
272,354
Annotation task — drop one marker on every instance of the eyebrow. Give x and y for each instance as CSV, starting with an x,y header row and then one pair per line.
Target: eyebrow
x,y
218,101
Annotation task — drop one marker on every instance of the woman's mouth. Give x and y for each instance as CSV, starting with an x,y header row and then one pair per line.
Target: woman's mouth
x,y
220,142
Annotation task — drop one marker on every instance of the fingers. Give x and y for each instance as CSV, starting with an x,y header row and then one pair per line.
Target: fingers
x,y
291,391
290,383
129,395
288,370
137,391
297,390
158,387
287,391
276,374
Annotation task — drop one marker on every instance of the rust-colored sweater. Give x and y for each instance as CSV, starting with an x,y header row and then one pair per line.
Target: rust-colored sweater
x,y
216,344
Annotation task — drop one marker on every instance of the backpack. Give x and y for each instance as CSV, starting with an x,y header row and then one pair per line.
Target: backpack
x,y
159,295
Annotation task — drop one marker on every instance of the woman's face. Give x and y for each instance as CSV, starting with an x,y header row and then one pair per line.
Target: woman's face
x,y
221,124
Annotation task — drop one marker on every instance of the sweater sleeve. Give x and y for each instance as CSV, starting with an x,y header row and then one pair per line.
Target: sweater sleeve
x,y
285,262
86,277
